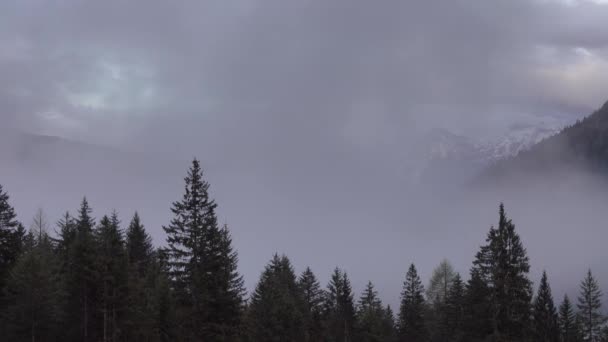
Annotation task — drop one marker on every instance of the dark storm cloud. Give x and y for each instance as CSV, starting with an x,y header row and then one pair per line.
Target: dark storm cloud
x,y
303,112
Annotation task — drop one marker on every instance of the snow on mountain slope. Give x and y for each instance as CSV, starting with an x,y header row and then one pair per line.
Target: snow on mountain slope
x,y
453,158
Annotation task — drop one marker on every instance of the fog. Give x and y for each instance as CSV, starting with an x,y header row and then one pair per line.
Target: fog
x,y
307,118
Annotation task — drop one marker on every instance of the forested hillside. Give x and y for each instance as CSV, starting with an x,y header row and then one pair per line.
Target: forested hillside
x,y
103,280
582,146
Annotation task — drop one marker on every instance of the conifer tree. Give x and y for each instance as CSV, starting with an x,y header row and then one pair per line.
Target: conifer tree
x,y
411,314
339,308
455,310
12,234
82,280
140,323
202,265
544,314
388,325
276,308
139,247
33,309
312,297
589,308
112,268
436,294
503,264
568,326
370,316
66,236
477,320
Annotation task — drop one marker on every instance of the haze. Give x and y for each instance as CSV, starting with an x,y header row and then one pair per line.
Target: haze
x,y
306,117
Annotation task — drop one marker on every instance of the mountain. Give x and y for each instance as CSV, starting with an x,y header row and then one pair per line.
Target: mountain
x,y
582,146
456,159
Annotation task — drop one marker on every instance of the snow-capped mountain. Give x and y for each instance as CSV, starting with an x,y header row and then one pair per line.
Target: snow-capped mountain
x,y
454,158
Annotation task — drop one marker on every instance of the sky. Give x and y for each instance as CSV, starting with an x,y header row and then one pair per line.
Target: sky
x,y
302,112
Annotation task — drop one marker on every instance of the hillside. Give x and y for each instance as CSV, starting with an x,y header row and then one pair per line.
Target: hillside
x,y
581,146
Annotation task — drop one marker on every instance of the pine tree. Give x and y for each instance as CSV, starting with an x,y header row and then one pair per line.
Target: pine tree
x,y
12,234
370,316
225,286
276,309
140,322
544,314
477,320
82,280
568,326
34,295
112,268
139,246
312,296
503,264
589,306
411,314
339,308
455,310
388,325
163,302
202,265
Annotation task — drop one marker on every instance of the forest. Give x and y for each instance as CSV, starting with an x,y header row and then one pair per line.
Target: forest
x,y
99,280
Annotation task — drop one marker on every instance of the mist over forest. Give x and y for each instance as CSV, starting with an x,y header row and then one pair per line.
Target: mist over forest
x,y
352,138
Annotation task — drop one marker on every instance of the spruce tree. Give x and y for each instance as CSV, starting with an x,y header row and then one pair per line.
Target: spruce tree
x,y
503,264
139,247
388,325
12,234
478,319
568,326
276,308
455,310
202,265
370,316
312,297
589,308
112,268
33,306
140,322
339,308
82,280
411,314
544,314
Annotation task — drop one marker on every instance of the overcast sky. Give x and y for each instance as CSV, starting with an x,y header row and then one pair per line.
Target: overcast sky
x,y
314,97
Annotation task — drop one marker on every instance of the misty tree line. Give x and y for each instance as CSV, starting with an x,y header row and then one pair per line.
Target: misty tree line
x,y
95,281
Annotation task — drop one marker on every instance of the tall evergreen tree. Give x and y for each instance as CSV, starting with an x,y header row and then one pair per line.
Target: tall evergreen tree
x,y
312,296
503,264
276,309
411,314
112,268
478,319
455,310
388,325
82,280
140,322
544,314
33,309
12,234
589,306
339,308
139,247
370,316
202,265
568,325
